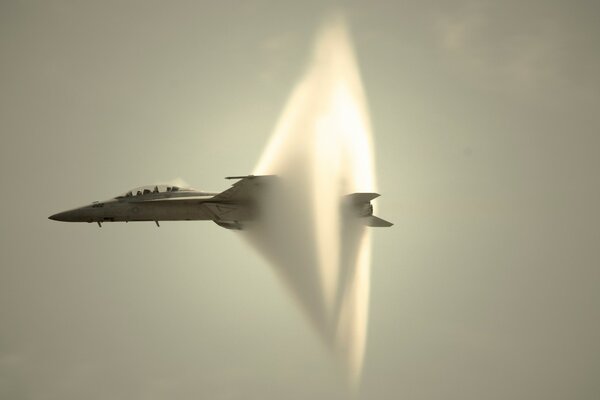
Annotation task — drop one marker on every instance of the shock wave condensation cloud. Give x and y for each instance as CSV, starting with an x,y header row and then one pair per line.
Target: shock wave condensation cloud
x,y
321,149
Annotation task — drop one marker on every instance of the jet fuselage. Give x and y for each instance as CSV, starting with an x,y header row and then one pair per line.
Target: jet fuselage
x,y
229,209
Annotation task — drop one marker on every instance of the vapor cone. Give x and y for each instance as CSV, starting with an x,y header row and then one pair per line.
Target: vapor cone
x,y
321,150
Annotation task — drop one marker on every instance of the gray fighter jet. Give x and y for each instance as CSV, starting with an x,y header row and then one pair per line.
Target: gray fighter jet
x,y
229,209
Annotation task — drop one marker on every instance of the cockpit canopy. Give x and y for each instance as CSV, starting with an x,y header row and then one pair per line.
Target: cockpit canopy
x,y
143,190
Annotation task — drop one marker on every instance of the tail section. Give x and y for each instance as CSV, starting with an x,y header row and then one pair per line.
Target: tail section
x,y
359,204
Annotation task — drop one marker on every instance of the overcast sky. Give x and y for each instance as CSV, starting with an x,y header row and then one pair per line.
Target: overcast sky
x,y
487,142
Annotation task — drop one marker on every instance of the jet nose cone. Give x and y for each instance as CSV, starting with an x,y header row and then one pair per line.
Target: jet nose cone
x,y
75,215
58,216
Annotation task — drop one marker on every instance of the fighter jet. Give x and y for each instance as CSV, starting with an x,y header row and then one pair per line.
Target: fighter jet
x,y
230,209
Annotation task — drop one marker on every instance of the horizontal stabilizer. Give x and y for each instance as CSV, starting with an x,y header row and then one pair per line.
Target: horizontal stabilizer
x,y
359,198
376,222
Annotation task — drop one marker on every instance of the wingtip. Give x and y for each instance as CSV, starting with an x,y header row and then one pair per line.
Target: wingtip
x,y
239,177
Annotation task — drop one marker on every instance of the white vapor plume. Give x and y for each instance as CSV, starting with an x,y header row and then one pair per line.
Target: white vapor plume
x,y
321,150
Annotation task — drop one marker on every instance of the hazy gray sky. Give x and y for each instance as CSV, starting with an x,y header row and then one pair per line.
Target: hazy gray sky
x,y
487,149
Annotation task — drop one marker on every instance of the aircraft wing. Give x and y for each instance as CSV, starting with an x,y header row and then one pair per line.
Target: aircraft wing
x,y
244,190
